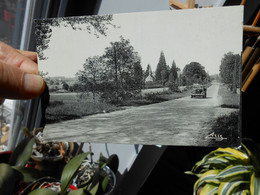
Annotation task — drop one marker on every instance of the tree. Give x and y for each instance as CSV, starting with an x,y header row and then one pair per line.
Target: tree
x,y
123,68
138,76
161,73
148,71
97,25
65,86
93,70
194,73
173,73
230,69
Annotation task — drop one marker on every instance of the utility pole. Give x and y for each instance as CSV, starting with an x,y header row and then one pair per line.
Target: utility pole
x,y
116,79
234,77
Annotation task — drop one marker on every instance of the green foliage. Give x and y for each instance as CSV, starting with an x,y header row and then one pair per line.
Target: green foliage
x,y
7,179
227,123
70,170
154,97
255,184
123,68
148,71
96,25
115,76
227,171
22,153
11,174
78,107
194,72
65,86
173,86
173,72
230,68
94,69
161,72
80,191
209,189
43,191
29,174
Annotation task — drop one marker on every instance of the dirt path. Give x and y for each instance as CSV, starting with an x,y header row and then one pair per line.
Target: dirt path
x,y
184,121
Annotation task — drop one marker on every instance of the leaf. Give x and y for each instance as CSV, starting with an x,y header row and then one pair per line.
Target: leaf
x,y
70,170
236,153
218,162
255,185
208,177
80,191
205,159
102,159
96,176
27,132
113,162
104,183
94,190
230,186
209,189
242,192
43,191
7,179
191,173
22,153
252,157
29,174
233,171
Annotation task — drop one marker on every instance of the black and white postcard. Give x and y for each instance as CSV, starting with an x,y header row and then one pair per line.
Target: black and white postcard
x,y
161,78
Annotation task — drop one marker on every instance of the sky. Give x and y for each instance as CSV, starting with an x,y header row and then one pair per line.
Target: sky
x,y
198,35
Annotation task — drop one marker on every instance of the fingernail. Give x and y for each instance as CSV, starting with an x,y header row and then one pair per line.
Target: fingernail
x,y
33,83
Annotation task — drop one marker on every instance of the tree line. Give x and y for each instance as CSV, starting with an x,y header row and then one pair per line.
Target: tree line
x,y
230,70
117,75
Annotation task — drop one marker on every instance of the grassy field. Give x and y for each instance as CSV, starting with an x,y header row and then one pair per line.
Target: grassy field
x,y
67,106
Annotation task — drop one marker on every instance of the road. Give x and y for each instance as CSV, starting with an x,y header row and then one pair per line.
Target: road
x,y
184,121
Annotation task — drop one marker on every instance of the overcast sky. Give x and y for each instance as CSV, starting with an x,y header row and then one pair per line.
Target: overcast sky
x,y
198,35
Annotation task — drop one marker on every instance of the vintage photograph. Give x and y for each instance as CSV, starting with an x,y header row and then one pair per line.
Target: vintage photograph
x,y
161,78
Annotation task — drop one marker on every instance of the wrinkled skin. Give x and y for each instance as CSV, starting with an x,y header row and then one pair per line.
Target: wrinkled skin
x,y
19,77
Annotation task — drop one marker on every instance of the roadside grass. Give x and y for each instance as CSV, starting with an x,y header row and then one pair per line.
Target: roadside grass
x,y
226,123
229,99
228,126
154,97
68,106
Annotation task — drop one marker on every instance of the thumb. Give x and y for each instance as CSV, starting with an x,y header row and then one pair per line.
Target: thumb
x,y
17,84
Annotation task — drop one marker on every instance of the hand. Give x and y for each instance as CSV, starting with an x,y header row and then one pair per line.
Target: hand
x,y
19,77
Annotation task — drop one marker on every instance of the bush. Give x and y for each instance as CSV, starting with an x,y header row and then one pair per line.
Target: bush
x,y
226,123
228,127
55,103
75,110
152,85
173,87
154,97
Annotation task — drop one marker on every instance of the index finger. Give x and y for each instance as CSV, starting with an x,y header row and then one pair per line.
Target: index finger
x,y
11,56
29,54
